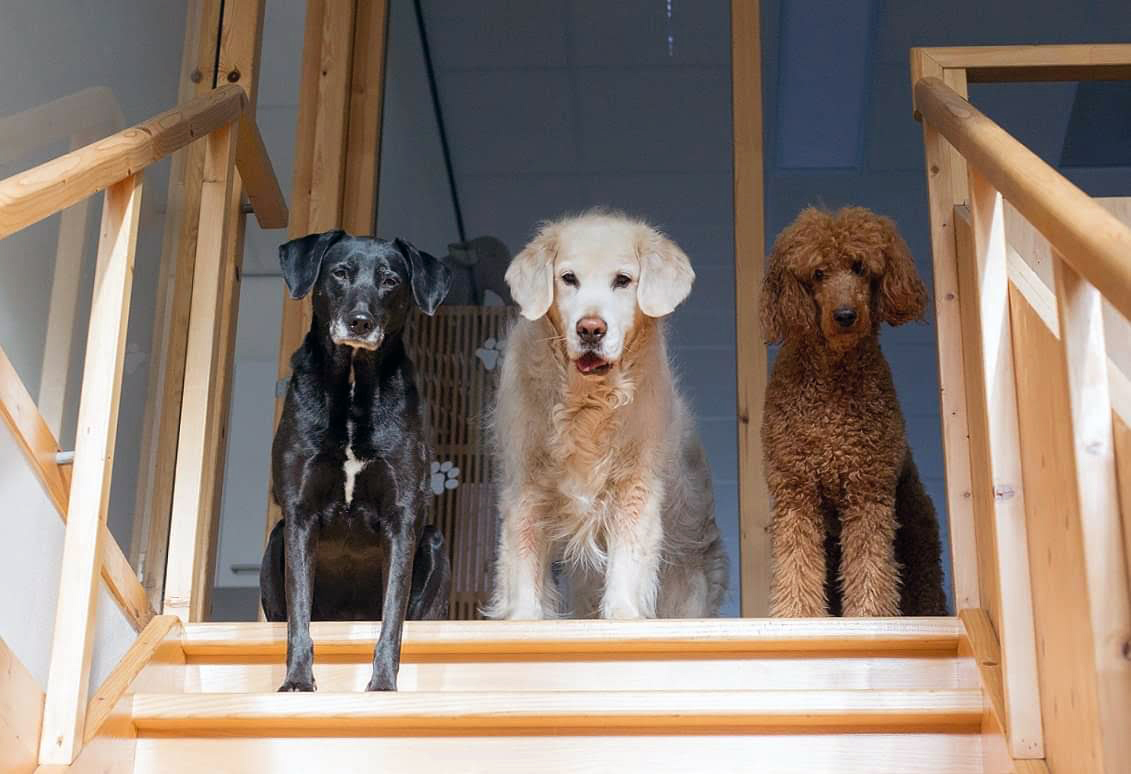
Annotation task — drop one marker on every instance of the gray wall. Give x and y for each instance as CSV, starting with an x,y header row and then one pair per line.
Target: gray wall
x,y
50,49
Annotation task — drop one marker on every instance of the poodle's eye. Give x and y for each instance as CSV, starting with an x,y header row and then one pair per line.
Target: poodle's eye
x,y
340,273
570,279
622,281
858,268
390,281
818,275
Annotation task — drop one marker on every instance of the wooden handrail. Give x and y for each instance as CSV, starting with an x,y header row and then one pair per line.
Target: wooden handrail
x,y
31,196
1093,241
1015,64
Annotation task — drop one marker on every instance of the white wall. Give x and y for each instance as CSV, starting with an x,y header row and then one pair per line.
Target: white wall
x,y
31,552
50,49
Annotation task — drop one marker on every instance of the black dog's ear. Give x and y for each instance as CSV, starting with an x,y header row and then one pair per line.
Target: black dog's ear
x,y
430,278
301,259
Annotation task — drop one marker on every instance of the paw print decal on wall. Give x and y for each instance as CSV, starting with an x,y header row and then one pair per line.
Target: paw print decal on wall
x,y
445,476
490,353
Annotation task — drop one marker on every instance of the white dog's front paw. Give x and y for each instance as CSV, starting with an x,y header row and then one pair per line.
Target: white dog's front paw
x,y
621,611
526,613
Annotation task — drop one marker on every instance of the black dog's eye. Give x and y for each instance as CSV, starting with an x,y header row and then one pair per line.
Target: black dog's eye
x,y
570,279
340,273
818,275
622,281
390,281
858,268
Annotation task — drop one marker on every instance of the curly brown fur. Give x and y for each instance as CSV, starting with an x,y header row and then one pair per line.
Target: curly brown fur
x,y
853,531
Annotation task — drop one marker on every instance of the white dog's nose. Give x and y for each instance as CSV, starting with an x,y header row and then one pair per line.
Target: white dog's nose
x,y
591,329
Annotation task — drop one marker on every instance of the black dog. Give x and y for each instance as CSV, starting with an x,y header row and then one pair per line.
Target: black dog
x,y
350,459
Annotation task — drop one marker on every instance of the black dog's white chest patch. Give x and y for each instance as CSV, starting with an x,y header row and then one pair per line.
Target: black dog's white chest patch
x,y
352,465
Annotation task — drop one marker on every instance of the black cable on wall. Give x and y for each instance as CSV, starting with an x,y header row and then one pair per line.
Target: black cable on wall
x,y
439,118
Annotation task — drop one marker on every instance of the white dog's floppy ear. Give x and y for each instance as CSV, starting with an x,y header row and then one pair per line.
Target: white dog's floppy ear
x,y
665,274
531,274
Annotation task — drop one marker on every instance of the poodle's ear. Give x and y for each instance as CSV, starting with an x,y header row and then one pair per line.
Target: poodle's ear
x,y
785,306
301,259
665,274
903,296
531,273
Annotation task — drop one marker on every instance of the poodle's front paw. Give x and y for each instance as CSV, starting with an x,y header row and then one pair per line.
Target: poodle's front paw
x,y
798,608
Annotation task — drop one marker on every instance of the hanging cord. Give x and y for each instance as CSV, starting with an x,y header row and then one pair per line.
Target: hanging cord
x,y
439,118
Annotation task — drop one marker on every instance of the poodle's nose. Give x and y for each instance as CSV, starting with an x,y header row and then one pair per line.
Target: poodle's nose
x,y
591,329
361,323
845,317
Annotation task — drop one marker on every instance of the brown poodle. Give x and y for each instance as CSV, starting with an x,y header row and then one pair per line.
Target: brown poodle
x,y
853,531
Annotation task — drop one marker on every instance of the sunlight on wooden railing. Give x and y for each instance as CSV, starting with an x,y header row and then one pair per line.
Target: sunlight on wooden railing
x,y
1034,449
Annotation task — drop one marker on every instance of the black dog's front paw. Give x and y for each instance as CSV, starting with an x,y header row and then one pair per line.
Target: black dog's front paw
x,y
297,685
378,683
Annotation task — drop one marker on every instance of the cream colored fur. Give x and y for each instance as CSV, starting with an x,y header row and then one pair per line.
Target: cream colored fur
x,y
605,472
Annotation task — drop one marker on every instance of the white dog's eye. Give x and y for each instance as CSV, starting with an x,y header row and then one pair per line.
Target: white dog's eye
x,y
622,281
570,279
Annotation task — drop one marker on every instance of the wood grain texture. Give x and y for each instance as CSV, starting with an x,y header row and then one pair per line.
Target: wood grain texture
x,y
954,381
154,498
31,196
21,713
197,439
1094,242
1073,62
1084,359
613,671
157,632
436,639
808,753
366,101
749,253
495,712
1064,634
1015,617
93,470
259,180
981,499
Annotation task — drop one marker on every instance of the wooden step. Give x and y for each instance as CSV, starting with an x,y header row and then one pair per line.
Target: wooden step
x,y
479,639
802,753
900,654
595,712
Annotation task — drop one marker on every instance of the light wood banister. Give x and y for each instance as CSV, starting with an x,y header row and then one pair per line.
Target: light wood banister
x,y
29,197
1095,243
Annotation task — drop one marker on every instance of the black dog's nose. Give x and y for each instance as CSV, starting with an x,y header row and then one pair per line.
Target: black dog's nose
x,y
591,329
361,323
845,317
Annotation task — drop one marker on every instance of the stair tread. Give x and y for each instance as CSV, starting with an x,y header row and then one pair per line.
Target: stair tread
x,y
560,637
600,711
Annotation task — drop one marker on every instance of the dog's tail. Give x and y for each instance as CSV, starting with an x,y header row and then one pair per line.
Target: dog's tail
x,y
917,546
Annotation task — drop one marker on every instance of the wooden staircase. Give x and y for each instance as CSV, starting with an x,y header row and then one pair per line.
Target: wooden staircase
x,y
835,695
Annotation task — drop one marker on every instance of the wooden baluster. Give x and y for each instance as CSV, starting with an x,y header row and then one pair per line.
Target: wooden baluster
x,y
1080,313
1006,500
69,675
198,440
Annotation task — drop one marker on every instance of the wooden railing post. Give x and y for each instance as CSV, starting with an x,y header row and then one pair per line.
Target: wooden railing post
x,y
69,674
1080,313
1005,520
198,440
946,186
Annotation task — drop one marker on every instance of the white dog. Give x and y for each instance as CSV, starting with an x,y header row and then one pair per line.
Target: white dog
x,y
601,465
